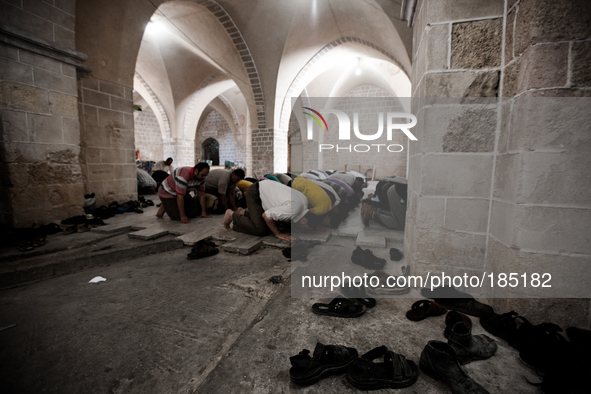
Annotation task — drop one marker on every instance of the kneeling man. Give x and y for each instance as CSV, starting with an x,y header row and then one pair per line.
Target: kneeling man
x,y
267,202
176,199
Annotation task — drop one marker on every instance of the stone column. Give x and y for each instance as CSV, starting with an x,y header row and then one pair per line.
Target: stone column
x,y
541,203
107,140
498,182
456,57
39,157
262,151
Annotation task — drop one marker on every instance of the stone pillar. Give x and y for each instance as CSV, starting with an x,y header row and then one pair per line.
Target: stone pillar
x,y
497,183
39,157
107,140
262,151
541,203
456,54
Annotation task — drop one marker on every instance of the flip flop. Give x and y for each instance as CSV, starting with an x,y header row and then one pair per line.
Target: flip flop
x,y
339,307
25,246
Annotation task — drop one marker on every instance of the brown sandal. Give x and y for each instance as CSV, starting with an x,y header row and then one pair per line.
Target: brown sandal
x,y
423,309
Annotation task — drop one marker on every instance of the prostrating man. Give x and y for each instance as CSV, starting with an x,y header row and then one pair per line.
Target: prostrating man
x,y
145,183
267,202
161,170
318,200
221,183
390,211
174,192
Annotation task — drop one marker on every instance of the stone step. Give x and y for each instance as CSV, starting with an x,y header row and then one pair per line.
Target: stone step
x,y
271,240
320,236
190,239
364,239
244,245
149,233
115,228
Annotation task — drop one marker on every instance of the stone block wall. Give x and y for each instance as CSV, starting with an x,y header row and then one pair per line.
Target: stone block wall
x,y
107,140
541,202
367,101
262,151
229,149
39,156
495,176
148,136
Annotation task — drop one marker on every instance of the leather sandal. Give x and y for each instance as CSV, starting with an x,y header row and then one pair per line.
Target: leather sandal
x,y
421,310
339,307
326,360
395,372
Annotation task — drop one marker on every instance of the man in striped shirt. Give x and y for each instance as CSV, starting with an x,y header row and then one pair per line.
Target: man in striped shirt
x,y
175,197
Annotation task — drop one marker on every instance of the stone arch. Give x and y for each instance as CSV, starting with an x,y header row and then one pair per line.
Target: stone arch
x,y
148,94
295,87
194,98
226,20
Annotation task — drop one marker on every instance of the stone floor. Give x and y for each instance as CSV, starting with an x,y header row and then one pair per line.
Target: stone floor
x,y
163,324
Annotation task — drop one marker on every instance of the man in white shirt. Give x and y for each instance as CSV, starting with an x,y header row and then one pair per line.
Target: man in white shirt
x,y
161,170
164,165
268,201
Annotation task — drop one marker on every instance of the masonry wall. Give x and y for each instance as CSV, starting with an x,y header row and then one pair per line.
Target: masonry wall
x,y
39,157
368,101
107,140
229,150
148,136
484,147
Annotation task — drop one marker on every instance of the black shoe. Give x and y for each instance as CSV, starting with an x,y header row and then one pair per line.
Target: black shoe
x,y
365,258
325,361
542,347
395,254
438,360
470,347
504,326
395,372
456,300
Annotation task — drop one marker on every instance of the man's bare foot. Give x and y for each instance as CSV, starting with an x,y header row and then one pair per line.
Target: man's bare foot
x,y
240,211
227,219
160,212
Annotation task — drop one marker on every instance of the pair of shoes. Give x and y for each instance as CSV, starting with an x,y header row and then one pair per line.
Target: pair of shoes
x,y
339,307
395,372
203,249
74,220
365,258
423,309
439,361
456,300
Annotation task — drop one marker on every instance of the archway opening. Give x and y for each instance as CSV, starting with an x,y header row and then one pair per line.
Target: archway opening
x,y
211,151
